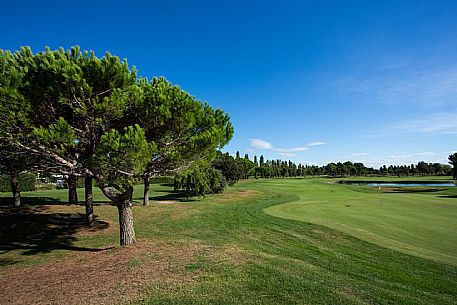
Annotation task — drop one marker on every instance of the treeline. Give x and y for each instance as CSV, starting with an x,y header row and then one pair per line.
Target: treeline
x,y
235,168
71,113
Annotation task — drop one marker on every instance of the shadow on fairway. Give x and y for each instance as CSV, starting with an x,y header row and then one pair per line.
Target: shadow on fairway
x,y
171,196
448,196
8,201
35,230
403,190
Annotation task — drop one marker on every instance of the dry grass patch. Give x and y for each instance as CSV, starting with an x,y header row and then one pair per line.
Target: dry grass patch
x,y
236,195
107,277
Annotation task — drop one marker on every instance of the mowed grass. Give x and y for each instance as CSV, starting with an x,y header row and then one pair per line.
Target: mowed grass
x,y
415,220
243,255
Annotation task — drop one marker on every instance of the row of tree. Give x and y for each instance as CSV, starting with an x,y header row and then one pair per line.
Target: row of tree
x,y
71,113
261,168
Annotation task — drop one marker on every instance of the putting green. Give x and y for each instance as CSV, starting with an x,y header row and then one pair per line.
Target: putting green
x,y
417,221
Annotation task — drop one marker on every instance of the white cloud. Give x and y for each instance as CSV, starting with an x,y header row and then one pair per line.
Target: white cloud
x,y
260,144
284,152
316,143
360,154
287,154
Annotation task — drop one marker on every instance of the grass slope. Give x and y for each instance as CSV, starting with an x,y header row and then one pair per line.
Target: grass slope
x,y
245,256
414,220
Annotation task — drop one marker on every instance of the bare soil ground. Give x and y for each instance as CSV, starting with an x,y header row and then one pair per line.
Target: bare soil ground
x,y
108,277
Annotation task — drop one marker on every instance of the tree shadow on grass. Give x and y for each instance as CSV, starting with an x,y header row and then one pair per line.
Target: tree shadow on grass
x,y
8,201
35,229
405,191
448,196
171,196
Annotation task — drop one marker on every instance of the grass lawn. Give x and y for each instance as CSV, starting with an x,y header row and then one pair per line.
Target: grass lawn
x,y
226,249
415,220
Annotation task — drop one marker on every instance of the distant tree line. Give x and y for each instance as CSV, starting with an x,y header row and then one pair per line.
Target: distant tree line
x,y
236,168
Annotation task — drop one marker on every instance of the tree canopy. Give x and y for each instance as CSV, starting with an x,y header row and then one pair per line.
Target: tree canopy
x,y
94,117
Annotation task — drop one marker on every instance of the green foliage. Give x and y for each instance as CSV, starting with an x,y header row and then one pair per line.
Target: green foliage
x,y
14,111
248,167
121,157
217,181
230,168
200,180
27,182
13,107
453,161
75,97
60,136
193,182
183,129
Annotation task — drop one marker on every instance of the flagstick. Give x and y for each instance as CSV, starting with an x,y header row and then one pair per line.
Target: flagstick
x,y
380,193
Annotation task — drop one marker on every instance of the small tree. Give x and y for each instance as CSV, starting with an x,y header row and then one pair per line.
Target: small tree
x,y
200,180
193,181
118,159
453,161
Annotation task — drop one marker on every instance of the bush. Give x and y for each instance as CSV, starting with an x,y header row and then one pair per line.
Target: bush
x,y
217,182
233,170
194,182
27,182
200,181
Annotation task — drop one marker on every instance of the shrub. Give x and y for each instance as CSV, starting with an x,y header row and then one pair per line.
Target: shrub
x,y
200,181
217,181
27,182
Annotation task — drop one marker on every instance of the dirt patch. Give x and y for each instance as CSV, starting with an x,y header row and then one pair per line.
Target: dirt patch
x,y
166,202
107,277
107,227
247,193
233,196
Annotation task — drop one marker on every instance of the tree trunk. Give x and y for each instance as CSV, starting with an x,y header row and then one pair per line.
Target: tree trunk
x,y
123,202
88,200
127,231
15,188
72,194
146,190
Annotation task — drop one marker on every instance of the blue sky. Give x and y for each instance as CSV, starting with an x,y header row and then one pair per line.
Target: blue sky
x,y
309,81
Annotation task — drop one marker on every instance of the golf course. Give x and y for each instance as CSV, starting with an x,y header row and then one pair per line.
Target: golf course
x,y
265,241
